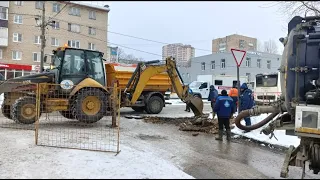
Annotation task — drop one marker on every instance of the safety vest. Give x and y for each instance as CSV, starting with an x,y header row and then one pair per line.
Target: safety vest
x,y
233,92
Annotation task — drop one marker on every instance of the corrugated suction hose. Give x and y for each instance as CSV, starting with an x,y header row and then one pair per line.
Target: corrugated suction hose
x,y
254,112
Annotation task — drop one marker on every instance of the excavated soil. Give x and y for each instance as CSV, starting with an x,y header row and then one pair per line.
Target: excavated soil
x,y
198,124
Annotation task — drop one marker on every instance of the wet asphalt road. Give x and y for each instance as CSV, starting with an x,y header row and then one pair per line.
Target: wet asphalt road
x,y
201,156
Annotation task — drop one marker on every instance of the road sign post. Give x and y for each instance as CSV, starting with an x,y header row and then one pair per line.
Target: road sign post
x,y
238,56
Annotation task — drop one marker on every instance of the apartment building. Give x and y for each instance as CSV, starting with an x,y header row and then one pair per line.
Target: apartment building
x,y
77,24
223,64
236,41
182,53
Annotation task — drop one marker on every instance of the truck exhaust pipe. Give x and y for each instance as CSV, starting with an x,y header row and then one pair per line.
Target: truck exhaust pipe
x,y
254,112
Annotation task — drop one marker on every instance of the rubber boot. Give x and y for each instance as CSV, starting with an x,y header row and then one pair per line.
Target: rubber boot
x,y
219,137
228,134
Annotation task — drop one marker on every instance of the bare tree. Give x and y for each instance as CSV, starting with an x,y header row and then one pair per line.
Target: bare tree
x,y
260,46
270,47
128,58
300,8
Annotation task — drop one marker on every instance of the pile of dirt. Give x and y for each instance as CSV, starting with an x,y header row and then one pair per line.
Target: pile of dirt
x,y
198,124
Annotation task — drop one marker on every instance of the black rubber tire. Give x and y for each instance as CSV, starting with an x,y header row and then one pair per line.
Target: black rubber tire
x,y
76,107
67,114
5,110
154,105
138,109
315,158
16,110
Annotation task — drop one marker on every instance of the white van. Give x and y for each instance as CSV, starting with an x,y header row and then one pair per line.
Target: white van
x,y
201,87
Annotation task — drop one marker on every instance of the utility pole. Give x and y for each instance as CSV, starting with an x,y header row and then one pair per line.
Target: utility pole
x,y
42,37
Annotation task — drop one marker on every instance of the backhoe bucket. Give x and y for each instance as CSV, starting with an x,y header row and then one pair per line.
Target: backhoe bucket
x,y
196,105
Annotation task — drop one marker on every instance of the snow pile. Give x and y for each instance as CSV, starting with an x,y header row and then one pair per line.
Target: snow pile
x,y
283,139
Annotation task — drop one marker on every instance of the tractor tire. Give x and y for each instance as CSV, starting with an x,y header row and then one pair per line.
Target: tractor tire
x,y
138,109
67,114
154,105
89,105
5,110
24,110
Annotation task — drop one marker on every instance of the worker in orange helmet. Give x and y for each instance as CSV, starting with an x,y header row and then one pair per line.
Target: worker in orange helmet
x,y
233,93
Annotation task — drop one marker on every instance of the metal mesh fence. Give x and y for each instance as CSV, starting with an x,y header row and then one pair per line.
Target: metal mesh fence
x,y
18,105
78,117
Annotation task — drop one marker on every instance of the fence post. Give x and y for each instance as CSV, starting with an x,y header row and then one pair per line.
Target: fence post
x,y
114,102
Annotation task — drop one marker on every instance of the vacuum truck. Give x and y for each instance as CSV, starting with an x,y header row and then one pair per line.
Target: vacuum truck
x,y
298,109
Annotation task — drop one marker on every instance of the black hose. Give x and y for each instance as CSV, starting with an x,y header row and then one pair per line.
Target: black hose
x,y
246,113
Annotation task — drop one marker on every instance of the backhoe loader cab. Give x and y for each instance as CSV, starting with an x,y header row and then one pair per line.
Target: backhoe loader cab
x,y
72,66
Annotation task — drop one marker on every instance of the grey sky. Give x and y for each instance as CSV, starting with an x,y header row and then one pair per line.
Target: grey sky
x,y
194,23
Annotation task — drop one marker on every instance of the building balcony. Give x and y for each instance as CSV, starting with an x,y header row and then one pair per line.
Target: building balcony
x,y
3,37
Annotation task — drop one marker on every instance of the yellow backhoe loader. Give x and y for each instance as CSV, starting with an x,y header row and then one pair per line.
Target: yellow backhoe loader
x,y
83,93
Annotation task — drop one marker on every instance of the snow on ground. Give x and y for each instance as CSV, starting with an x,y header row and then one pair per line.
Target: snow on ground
x,y
179,102
20,158
283,139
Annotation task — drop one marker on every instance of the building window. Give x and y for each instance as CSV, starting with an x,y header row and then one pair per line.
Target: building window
x,y
223,64
74,27
74,11
91,46
92,15
56,7
213,64
16,55
18,3
203,66
17,37
54,42
248,62
39,4
17,19
259,63
248,77
74,43
241,43
3,13
36,57
56,25
37,40
92,31
269,64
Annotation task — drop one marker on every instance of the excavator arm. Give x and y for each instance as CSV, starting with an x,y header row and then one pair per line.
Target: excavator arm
x,y
145,71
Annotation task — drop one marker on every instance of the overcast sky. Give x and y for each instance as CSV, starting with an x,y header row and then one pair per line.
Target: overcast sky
x,y
194,23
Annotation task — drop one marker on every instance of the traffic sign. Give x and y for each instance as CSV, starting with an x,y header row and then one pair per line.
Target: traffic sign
x,y
238,55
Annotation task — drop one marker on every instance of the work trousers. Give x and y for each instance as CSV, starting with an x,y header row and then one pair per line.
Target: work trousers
x,y
223,121
212,105
187,107
248,121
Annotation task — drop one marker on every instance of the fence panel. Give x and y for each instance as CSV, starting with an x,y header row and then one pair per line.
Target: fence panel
x,y
18,105
79,121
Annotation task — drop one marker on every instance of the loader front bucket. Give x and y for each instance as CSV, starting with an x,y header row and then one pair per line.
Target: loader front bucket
x,y
196,105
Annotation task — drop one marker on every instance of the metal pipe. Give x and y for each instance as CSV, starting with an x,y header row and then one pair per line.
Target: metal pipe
x,y
254,112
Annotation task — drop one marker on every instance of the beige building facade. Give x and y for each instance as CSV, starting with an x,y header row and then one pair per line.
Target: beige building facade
x,y
182,53
77,24
234,41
